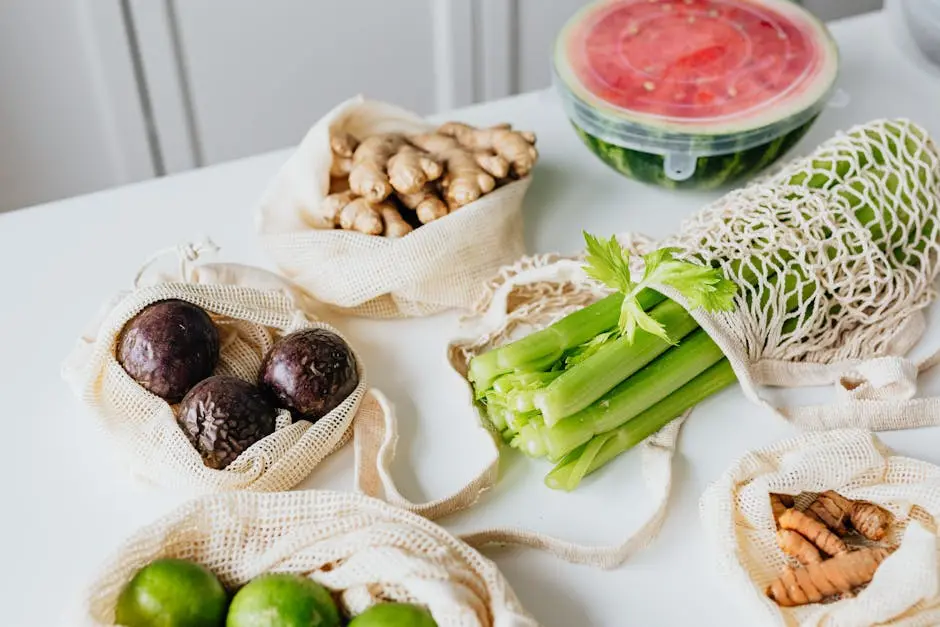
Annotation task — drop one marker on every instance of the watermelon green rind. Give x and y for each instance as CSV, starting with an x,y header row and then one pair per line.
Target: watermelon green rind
x,y
711,172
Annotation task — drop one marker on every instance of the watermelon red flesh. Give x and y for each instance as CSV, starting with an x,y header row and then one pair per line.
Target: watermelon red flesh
x,y
692,59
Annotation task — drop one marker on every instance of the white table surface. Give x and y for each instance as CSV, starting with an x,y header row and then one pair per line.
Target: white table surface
x,y
67,502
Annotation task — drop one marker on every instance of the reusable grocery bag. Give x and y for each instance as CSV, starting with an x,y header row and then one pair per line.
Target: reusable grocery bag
x,y
252,308
361,549
834,256
741,531
441,265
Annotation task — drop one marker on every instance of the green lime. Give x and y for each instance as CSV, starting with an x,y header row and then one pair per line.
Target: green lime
x,y
282,600
394,615
172,593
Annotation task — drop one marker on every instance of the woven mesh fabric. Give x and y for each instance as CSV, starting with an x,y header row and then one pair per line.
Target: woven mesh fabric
x,y
835,255
740,528
143,425
441,265
362,549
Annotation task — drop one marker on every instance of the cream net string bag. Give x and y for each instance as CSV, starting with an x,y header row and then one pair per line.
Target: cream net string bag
x,y
438,266
835,257
361,549
740,528
252,308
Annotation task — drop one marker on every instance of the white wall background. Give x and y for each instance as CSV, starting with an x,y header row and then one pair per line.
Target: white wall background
x,y
97,93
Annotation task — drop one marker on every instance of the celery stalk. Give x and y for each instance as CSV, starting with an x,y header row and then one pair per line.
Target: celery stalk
x,y
587,381
569,472
549,344
669,372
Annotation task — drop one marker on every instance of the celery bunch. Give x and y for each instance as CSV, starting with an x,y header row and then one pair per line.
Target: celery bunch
x,y
602,379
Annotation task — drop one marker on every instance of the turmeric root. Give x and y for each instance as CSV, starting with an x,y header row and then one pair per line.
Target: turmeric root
x,y
368,176
813,530
814,582
465,179
360,215
342,145
409,170
425,203
516,147
779,504
839,513
795,545
395,225
870,520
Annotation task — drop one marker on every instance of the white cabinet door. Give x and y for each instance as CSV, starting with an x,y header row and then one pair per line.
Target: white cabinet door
x,y
252,76
70,113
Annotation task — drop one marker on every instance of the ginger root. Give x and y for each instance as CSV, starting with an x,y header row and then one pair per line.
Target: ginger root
x,y
465,180
814,582
795,545
839,514
375,179
395,225
326,214
368,176
361,215
516,147
813,530
409,170
425,203
342,145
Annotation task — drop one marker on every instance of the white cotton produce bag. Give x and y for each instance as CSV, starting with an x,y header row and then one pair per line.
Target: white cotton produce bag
x,y
741,531
441,265
252,308
361,549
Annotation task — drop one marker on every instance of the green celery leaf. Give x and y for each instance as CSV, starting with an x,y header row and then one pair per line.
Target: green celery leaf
x,y
607,262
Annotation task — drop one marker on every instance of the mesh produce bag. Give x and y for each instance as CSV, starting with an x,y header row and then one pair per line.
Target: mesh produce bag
x,y
740,527
361,549
251,308
834,255
440,265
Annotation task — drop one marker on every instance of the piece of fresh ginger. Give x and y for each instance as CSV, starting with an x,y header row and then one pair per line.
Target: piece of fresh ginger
x,y
385,163
326,214
465,180
410,169
368,176
516,147
426,203
813,530
814,582
342,145
795,545
839,513
395,225
363,216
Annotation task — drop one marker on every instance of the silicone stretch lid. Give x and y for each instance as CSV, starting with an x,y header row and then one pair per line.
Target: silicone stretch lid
x,y
688,78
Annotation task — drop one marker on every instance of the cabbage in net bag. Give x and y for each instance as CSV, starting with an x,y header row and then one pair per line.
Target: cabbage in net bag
x,y
439,266
251,308
739,525
361,549
835,258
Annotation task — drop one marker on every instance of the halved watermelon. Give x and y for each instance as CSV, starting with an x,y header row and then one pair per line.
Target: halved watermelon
x,y
693,93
